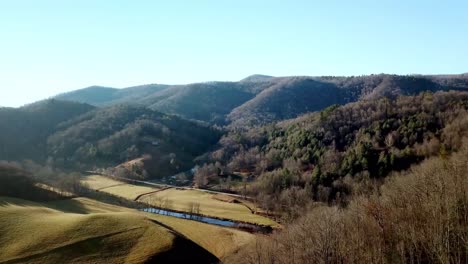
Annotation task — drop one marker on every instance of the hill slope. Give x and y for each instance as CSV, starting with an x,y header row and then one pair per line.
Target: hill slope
x,y
24,130
36,233
290,97
79,136
61,230
312,155
110,136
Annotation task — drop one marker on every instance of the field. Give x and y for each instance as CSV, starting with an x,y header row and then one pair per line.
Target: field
x,y
217,240
115,187
35,233
182,200
97,182
215,205
81,230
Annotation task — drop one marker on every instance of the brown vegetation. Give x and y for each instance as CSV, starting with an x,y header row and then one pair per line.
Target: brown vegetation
x,y
418,216
322,155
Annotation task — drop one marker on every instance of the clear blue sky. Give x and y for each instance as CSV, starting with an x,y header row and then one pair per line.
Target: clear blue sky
x,y
48,47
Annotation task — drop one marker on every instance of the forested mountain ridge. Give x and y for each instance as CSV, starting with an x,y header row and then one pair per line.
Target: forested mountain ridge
x,y
318,155
109,136
261,99
77,136
24,130
104,96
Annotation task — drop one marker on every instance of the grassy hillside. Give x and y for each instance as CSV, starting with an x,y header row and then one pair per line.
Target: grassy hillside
x,y
36,233
182,200
178,199
122,189
58,229
220,241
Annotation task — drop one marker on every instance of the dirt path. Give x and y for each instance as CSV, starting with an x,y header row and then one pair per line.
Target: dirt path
x,y
148,193
110,186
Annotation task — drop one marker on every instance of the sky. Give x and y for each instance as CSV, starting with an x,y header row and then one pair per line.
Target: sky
x,y
49,47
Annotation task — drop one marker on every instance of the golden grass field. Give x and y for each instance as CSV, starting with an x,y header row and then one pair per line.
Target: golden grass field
x,y
182,200
35,233
82,230
97,182
219,241
179,199
118,188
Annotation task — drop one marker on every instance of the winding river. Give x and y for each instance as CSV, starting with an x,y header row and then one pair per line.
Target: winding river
x,y
211,220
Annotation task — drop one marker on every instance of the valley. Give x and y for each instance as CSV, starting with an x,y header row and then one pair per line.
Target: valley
x,y
234,132
182,200
117,182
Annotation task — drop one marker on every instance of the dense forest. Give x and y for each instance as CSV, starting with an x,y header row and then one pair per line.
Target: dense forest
x,y
320,156
417,216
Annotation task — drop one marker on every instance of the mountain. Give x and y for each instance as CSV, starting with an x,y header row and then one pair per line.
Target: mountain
x,y
102,96
109,136
257,78
316,152
261,99
78,136
24,130
290,97
209,102
285,99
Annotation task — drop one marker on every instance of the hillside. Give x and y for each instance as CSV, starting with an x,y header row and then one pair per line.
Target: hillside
x,y
209,102
24,130
109,136
417,216
78,136
287,98
319,155
290,97
39,228
261,99
35,233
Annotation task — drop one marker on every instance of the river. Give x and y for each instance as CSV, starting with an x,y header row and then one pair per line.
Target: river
x,y
210,220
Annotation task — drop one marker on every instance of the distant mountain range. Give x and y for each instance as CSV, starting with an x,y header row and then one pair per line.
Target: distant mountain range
x,y
260,99
168,126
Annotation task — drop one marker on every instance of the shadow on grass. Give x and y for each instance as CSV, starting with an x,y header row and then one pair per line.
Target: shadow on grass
x,y
65,205
184,251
